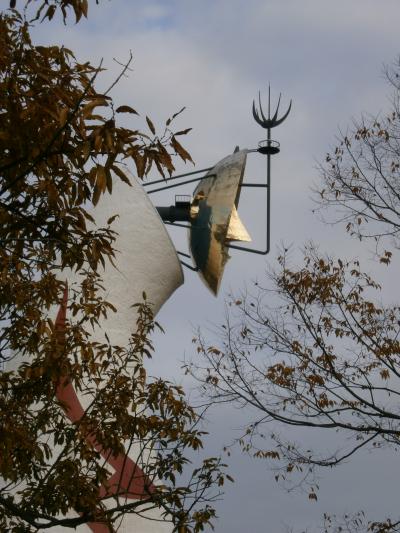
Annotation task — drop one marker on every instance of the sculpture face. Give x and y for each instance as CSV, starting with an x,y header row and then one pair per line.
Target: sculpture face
x,y
215,220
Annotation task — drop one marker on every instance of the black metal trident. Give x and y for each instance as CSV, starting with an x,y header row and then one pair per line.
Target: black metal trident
x,y
268,148
269,122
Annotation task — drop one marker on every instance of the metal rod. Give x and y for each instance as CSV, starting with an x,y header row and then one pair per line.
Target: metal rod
x,y
179,184
194,269
199,179
264,185
272,147
184,255
258,185
177,225
268,187
146,184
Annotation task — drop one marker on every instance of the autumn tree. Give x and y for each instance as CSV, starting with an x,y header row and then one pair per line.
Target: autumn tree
x,y
61,149
314,346
360,179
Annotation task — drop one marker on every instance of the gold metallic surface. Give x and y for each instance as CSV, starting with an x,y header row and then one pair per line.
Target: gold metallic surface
x,y
215,220
236,230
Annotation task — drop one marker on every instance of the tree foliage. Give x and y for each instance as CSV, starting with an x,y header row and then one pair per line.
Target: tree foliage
x,y
48,8
61,148
360,179
315,347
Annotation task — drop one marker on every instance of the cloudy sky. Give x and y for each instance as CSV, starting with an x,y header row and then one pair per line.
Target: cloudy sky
x,y
213,56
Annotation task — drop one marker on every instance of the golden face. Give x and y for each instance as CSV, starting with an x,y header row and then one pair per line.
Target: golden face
x,y
215,220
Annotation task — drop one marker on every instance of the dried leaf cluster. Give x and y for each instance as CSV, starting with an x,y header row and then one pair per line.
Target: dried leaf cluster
x,y
61,148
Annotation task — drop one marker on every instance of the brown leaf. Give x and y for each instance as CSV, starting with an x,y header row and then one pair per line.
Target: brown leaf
x,y
151,126
84,7
121,174
126,109
96,194
111,219
140,162
109,180
174,116
183,132
88,108
101,180
49,13
180,150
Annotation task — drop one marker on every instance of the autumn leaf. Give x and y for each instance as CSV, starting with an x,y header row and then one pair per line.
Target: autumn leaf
x,y
180,150
60,149
183,132
168,122
111,219
151,126
121,174
101,181
126,109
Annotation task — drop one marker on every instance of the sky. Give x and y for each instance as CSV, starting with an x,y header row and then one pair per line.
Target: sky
x,y
213,57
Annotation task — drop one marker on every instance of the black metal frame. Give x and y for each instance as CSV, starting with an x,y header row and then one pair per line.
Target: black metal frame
x,y
267,147
266,185
166,180
194,269
187,226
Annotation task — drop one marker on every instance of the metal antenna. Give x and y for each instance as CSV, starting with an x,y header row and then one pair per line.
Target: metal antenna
x,y
267,147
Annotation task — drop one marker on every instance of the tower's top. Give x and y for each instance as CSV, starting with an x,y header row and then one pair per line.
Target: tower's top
x,y
269,122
